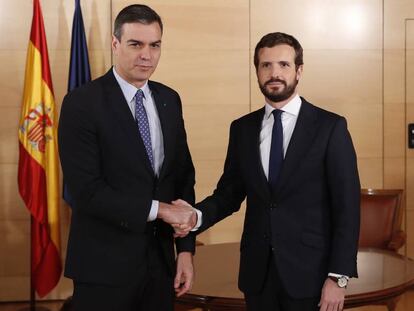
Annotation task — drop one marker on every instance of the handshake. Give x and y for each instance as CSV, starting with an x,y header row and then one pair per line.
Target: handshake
x,y
180,215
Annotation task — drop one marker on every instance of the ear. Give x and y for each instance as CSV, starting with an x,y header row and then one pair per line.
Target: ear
x,y
299,72
115,43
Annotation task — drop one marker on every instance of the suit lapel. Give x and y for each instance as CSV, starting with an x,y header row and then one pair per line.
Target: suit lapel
x,y
118,105
167,129
258,176
300,142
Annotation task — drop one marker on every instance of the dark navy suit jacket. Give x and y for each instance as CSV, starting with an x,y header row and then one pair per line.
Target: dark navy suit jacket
x,y
311,218
109,175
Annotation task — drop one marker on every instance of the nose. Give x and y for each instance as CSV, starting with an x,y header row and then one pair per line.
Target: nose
x,y
275,72
145,53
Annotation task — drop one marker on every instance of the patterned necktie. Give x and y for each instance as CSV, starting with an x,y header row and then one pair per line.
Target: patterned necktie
x,y
276,148
142,120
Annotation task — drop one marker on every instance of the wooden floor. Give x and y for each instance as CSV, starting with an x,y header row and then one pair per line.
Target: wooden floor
x,y
406,303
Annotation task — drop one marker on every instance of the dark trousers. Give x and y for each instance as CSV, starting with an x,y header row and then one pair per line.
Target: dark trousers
x,y
153,293
274,297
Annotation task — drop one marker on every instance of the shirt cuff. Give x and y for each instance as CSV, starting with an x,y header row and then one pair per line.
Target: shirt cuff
x,y
336,275
199,220
154,210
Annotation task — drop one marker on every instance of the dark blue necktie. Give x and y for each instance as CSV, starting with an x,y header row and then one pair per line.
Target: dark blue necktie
x,y
276,149
143,125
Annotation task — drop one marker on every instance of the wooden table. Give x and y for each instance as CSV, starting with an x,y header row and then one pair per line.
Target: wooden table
x,y
383,277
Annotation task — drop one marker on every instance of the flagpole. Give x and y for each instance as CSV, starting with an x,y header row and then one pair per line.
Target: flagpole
x,y
32,302
32,286
112,30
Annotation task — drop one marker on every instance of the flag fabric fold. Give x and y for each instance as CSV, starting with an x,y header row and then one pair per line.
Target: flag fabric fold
x,y
38,170
79,69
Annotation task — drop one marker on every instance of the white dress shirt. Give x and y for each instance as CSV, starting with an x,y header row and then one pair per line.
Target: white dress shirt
x,y
157,141
289,118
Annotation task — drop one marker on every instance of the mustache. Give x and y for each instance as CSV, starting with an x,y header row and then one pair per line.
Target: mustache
x,y
275,80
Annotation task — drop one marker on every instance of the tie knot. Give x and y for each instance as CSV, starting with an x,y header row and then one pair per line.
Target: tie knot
x,y
277,113
139,94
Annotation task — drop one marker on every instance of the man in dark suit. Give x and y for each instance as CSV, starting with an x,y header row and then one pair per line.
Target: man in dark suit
x,y
297,167
124,153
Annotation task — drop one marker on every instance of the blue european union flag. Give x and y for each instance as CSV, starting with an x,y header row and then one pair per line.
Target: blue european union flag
x,y
79,70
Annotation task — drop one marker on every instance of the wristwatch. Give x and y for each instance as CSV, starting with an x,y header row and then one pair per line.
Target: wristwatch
x,y
341,281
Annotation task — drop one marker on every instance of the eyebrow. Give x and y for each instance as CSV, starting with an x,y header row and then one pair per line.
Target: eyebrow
x,y
140,42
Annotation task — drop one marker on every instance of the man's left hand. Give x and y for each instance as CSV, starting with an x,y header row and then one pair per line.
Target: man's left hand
x,y
332,298
185,273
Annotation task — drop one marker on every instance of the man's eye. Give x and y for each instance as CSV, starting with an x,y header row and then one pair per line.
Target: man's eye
x,y
156,45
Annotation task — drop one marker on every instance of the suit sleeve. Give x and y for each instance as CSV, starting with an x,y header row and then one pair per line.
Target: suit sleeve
x,y
80,157
344,187
230,191
185,181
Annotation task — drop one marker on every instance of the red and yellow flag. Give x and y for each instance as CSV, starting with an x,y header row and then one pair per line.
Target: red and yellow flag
x,y
38,161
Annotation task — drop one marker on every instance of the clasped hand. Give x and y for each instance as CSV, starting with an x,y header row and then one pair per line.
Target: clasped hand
x,y
180,215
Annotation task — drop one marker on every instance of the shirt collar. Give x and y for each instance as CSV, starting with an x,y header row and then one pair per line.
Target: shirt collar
x,y
130,90
292,107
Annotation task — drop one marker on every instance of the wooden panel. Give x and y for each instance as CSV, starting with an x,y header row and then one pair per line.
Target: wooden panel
x,y
208,129
9,152
410,78
207,175
200,25
12,77
410,233
394,173
320,24
395,12
394,75
12,206
15,22
58,17
204,80
370,172
14,241
334,77
395,130
410,114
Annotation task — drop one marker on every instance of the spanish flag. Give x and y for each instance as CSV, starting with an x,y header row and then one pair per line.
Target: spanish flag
x,y
38,175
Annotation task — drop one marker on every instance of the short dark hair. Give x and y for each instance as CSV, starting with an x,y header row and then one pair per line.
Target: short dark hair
x,y
277,38
135,13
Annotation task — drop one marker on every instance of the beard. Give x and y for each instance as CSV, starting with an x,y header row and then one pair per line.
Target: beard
x,y
278,95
